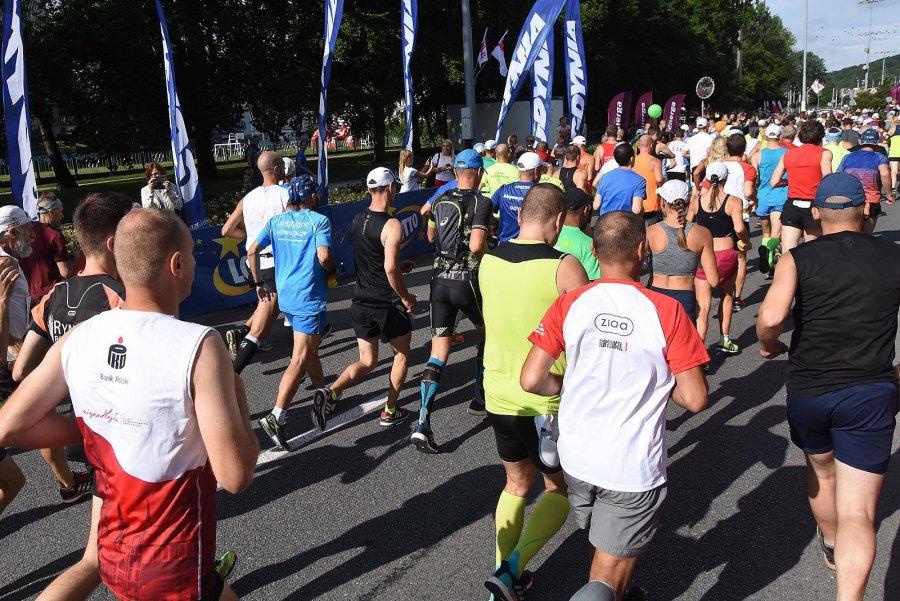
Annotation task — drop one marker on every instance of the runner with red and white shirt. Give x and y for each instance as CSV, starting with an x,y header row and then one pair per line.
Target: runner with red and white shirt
x,y
622,366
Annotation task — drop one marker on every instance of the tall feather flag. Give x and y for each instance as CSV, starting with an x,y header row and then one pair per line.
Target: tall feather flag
x,y
576,75
334,12
410,29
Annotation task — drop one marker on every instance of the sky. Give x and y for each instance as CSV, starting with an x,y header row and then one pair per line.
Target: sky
x,y
838,28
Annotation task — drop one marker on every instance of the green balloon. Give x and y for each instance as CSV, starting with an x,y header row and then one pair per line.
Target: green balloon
x,y
655,111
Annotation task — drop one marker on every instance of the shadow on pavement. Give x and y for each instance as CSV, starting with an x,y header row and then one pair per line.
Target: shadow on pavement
x,y
33,583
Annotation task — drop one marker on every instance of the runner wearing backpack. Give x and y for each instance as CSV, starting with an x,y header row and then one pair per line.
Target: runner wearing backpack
x,y
458,229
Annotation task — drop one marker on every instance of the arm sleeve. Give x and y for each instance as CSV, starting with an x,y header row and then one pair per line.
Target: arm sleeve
x,y
548,335
323,233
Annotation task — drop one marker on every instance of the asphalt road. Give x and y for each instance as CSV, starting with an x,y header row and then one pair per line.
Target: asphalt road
x,y
358,513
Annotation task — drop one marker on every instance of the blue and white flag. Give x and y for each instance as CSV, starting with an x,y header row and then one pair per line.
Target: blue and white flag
x,y
576,76
410,10
538,25
15,110
542,91
334,11
182,155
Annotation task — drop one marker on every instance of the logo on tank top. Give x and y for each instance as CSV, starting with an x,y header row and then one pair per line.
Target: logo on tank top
x,y
116,356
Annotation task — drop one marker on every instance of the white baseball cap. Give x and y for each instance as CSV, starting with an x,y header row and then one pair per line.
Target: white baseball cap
x,y
717,169
674,189
490,145
702,122
579,140
290,168
380,176
685,127
761,122
876,116
12,216
479,148
773,132
529,161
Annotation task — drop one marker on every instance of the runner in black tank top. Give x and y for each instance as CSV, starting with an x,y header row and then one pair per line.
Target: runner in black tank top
x,y
570,165
382,305
565,176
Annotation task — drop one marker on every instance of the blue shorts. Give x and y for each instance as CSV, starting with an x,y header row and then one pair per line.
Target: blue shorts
x,y
857,423
764,210
311,325
687,298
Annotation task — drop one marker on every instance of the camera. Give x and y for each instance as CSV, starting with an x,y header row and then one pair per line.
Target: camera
x,y
157,183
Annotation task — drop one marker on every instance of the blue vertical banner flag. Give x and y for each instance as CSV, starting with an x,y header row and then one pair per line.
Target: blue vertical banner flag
x,y
410,15
182,155
576,76
15,110
334,11
542,91
538,26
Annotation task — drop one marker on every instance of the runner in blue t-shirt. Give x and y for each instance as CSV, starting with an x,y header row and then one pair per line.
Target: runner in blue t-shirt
x,y
507,200
300,240
621,189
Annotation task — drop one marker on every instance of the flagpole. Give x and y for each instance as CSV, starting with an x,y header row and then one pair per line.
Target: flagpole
x,y
468,125
805,49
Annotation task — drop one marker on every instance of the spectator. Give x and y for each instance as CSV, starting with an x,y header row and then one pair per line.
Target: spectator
x,y
409,176
564,130
443,163
251,156
160,193
50,261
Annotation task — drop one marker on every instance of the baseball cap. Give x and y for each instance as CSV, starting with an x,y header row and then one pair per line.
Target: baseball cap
x,y
891,113
290,168
579,140
479,148
876,116
12,216
718,169
468,159
529,161
869,137
674,189
773,132
867,120
577,198
382,176
490,145
839,191
761,122
833,134
685,127
702,122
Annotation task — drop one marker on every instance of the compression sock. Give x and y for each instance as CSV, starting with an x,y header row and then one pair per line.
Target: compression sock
x,y
431,380
279,414
547,518
479,371
510,517
245,353
595,590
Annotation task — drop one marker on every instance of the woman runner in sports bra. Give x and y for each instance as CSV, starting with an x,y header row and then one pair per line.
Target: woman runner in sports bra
x,y
722,215
678,248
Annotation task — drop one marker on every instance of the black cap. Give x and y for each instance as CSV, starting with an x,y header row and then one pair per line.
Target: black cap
x,y
577,198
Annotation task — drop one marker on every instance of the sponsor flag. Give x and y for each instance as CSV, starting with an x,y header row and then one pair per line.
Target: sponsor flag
x,y
410,11
617,113
538,26
542,90
15,111
182,154
640,109
499,52
576,76
817,87
482,52
672,111
334,11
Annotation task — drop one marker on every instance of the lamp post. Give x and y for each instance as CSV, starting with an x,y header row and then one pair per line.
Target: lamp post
x,y
468,114
805,50
869,43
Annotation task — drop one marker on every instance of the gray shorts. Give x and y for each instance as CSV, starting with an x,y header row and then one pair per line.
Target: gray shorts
x,y
267,279
621,524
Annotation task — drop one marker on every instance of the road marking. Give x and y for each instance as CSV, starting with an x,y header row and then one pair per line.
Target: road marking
x,y
311,436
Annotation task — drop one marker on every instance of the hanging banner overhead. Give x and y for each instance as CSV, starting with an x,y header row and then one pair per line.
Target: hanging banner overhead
x,y
542,91
640,109
618,112
538,25
410,12
576,76
182,154
15,111
334,11
672,111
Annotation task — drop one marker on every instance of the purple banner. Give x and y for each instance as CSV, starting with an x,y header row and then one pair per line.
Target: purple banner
x,y
619,109
640,109
672,111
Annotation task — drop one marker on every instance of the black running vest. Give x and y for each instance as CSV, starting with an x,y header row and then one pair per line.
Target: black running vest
x,y
372,286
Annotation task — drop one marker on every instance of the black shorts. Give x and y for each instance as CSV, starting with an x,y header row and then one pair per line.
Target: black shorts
x,y
267,278
874,210
679,175
384,323
517,440
448,298
895,159
798,213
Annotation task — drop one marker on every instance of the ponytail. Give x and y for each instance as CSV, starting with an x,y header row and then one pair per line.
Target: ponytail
x,y
680,207
713,192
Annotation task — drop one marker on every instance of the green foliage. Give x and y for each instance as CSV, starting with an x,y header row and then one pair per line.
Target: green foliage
x,y
848,77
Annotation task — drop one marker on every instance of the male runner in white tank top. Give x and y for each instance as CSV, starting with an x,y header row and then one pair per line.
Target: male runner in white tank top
x,y
161,417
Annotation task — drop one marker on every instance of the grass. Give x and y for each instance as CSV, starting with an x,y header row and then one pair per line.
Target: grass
x,y
343,166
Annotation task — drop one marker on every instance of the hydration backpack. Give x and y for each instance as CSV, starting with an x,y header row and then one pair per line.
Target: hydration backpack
x,y
449,214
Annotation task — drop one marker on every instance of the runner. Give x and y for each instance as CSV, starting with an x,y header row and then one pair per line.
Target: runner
x,y
833,144
870,167
458,229
12,480
572,238
615,459
771,200
698,144
894,154
677,165
722,215
255,210
51,261
585,160
842,393
157,524
382,305
507,200
300,239
519,281
500,173
604,151
679,247
805,166
742,180
621,189
650,168
569,174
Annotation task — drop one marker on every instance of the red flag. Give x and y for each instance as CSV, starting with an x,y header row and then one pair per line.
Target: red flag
x,y
500,54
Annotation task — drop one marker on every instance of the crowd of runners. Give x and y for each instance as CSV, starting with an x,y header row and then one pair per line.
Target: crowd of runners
x,y
544,250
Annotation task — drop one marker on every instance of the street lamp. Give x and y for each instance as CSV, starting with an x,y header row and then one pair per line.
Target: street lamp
x,y
869,43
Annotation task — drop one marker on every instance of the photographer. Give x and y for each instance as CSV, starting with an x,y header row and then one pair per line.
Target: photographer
x,y
159,192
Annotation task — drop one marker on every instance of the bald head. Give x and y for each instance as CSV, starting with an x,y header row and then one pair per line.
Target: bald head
x,y
503,153
268,160
645,142
145,241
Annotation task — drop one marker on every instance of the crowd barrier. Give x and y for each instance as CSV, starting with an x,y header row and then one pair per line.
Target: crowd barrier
x,y
221,275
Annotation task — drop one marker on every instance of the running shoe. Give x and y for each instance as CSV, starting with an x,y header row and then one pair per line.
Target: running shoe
x,y
277,432
84,485
728,346
827,552
264,346
233,337
764,259
738,305
225,564
423,438
389,419
458,339
476,407
323,406
504,585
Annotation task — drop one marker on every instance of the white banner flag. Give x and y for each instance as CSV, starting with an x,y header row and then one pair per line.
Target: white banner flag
x,y
482,52
500,54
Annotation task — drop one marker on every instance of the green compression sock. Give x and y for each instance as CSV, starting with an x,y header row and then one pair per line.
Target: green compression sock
x,y
510,517
547,518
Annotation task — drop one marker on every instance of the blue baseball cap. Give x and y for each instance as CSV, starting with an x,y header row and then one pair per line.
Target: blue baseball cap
x,y
301,188
468,159
869,136
839,191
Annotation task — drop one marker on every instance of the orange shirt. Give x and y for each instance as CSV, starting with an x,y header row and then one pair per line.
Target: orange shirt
x,y
643,166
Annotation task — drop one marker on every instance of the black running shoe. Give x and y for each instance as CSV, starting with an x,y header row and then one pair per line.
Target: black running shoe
x,y
504,585
277,432
476,407
324,404
635,593
423,438
764,259
84,485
